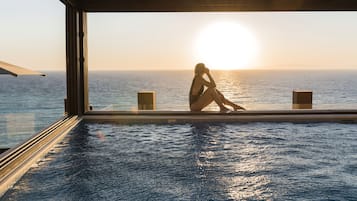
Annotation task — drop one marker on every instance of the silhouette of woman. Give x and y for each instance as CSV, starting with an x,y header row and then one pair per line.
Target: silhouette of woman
x,y
200,98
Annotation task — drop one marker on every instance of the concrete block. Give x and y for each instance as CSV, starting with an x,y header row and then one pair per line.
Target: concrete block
x,y
146,100
302,99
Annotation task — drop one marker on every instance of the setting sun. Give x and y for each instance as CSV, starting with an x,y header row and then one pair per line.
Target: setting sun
x,y
226,46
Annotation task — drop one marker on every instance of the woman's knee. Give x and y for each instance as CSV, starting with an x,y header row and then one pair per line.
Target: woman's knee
x,y
211,90
214,93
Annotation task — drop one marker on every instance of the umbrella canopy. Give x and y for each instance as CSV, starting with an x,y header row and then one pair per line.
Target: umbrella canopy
x,y
6,68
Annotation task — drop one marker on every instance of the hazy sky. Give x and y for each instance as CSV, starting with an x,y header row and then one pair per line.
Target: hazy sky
x,y
33,35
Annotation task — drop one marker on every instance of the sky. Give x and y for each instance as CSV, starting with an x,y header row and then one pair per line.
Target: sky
x,y
33,35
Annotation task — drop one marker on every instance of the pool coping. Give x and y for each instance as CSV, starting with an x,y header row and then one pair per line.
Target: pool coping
x,y
294,115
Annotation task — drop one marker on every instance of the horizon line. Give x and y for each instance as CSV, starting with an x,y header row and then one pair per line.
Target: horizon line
x,y
252,69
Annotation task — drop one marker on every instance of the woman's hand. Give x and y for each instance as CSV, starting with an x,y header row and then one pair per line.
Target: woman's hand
x,y
211,81
206,70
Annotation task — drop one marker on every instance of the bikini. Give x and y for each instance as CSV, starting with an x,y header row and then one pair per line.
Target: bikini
x,y
194,98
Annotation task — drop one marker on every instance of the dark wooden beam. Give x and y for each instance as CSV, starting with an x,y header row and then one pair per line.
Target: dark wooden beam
x,y
71,61
83,63
76,61
214,5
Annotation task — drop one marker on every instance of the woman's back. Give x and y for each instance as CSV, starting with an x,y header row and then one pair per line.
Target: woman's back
x,y
196,90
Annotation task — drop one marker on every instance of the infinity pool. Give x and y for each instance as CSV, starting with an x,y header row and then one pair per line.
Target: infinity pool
x,y
254,161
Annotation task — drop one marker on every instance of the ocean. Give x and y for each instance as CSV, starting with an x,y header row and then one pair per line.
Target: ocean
x,y
204,161
29,104
252,89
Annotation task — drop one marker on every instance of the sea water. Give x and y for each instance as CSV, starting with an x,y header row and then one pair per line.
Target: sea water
x,y
252,89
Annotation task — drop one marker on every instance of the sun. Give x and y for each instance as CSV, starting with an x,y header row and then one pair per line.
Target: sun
x,y
226,46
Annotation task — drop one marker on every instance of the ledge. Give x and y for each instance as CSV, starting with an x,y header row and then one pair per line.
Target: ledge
x,y
301,116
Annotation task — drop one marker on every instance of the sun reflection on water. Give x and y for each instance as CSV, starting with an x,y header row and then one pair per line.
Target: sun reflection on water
x,y
237,168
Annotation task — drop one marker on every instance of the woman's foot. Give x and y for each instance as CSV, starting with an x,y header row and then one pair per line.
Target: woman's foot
x,y
224,110
237,107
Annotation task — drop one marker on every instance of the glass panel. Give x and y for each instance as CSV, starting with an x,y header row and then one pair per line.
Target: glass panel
x,y
28,105
33,37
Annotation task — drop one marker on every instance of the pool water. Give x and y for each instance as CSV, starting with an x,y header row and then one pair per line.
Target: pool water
x,y
253,161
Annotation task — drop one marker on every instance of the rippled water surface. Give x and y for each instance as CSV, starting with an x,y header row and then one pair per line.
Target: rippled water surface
x,y
253,89
255,161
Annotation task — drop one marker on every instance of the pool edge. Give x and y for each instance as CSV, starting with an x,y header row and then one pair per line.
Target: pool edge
x,y
15,162
298,116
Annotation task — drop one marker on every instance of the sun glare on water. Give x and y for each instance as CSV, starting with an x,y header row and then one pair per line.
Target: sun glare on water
x,y
226,46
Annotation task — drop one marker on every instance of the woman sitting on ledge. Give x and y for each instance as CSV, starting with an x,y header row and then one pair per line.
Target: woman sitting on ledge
x,y
200,98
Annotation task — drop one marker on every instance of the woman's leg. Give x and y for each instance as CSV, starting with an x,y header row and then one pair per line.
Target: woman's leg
x,y
228,102
207,97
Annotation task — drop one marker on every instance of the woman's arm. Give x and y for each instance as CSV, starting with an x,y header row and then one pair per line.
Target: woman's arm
x,y
210,83
211,80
